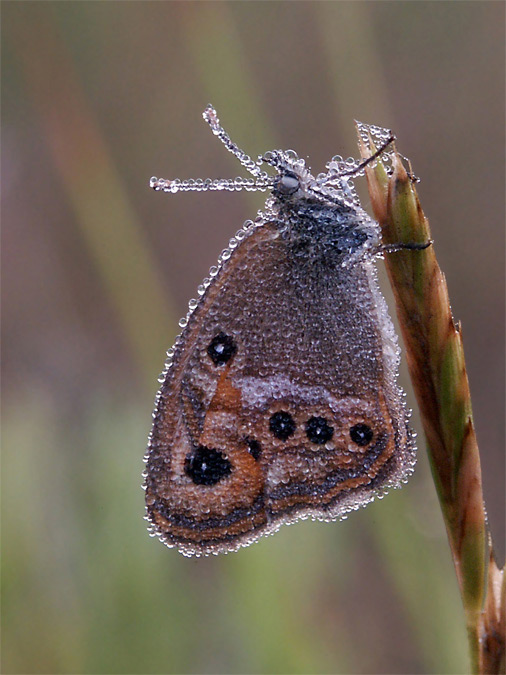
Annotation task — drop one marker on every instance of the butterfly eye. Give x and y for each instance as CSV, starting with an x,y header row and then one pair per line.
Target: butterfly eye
x,y
221,348
207,466
361,434
287,184
282,425
318,430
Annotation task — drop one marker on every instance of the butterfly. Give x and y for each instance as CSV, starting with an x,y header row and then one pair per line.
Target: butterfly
x,y
279,398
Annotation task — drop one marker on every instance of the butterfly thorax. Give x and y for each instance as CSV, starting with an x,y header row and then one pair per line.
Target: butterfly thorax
x,y
322,228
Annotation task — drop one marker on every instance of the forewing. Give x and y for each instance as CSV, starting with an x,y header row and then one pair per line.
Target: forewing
x,y
279,402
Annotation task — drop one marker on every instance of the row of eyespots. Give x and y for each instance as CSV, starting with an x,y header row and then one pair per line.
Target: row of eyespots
x,y
207,466
318,430
223,347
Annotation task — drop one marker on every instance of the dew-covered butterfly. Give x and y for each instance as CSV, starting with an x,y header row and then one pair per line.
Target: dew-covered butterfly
x,y
279,398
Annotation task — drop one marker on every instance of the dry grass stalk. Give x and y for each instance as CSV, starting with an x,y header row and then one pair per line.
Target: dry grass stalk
x,y
435,355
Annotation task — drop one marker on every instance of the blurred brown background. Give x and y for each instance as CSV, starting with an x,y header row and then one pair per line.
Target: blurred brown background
x,y
97,269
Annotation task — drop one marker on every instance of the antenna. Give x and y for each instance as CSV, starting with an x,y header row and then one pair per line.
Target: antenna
x,y
262,181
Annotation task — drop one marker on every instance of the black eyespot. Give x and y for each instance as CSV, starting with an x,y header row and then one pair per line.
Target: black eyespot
x,y
282,425
254,447
207,466
318,430
221,348
361,434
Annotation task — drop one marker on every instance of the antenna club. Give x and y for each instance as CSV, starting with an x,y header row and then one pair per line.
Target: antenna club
x,y
211,117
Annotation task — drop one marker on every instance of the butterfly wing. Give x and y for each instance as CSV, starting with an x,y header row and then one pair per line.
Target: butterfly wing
x,y
280,401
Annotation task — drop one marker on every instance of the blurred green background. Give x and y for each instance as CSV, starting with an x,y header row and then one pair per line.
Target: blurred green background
x,y
97,269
